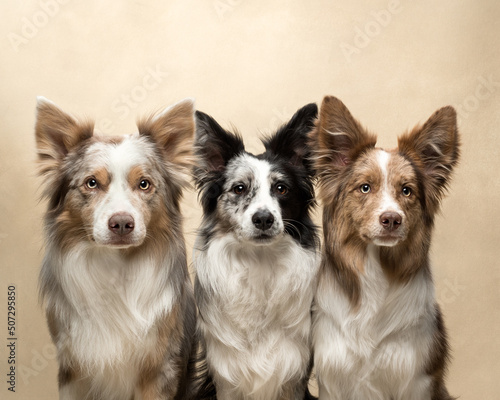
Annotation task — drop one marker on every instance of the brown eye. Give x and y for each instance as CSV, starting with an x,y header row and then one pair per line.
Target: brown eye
x,y
365,188
91,183
281,189
239,189
144,185
406,191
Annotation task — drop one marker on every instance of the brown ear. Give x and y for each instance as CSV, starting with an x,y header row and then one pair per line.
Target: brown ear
x,y
173,132
57,133
337,139
434,149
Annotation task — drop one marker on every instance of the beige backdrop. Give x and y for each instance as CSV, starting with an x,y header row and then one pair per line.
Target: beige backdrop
x,y
252,64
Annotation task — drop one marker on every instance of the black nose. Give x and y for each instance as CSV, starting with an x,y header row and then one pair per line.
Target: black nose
x,y
263,220
390,220
121,224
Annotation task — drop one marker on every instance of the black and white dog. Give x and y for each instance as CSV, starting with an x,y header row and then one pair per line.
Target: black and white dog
x,y
256,260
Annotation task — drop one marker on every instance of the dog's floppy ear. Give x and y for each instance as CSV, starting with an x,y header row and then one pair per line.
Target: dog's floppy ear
x,y
173,131
337,139
57,133
291,140
214,146
434,148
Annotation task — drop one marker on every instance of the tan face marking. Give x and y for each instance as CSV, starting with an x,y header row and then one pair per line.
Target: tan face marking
x,y
102,177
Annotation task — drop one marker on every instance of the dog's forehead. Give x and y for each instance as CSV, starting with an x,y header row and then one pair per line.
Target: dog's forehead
x,y
389,163
382,159
398,167
120,153
249,167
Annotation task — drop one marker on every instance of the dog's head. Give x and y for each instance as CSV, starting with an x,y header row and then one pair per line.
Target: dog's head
x,y
258,198
382,197
113,191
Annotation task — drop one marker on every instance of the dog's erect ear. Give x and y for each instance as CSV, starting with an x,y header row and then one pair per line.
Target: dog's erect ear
x,y
214,146
338,134
291,140
336,140
57,133
173,132
435,148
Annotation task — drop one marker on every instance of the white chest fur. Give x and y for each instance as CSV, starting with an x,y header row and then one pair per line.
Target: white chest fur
x,y
256,315
379,350
108,305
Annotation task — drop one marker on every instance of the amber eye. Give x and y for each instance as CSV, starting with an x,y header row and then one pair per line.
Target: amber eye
x,y
239,189
91,183
406,191
281,189
144,184
365,188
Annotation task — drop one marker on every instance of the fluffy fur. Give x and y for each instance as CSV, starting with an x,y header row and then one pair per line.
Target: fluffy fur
x,y
256,260
377,331
114,278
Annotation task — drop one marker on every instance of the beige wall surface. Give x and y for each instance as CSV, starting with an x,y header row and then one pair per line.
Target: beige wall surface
x,y
252,64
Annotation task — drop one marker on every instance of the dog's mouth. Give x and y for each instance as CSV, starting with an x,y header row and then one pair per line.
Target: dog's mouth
x,y
263,239
119,242
387,239
121,245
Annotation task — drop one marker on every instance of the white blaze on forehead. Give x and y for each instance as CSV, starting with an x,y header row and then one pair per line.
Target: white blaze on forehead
x,y
387,200
262,176
383,161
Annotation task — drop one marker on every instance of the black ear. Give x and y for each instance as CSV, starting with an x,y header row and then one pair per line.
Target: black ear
x,y
214,146
291,140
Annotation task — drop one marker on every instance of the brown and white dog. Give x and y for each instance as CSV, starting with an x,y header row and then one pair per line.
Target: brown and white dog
x,y
378,332
114,279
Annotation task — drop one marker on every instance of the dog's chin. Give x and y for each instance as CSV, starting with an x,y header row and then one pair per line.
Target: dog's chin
x,y
387,240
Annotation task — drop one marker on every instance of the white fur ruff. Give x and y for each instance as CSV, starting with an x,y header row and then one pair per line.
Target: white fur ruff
x,y
256,319
109,304
379,350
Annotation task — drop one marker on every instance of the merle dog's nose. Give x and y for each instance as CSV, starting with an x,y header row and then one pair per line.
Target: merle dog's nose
x,y
263,220
390,220
121,223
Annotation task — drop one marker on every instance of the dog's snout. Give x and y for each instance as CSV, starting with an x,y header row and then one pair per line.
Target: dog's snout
x,y
263,220
390,220
121,224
